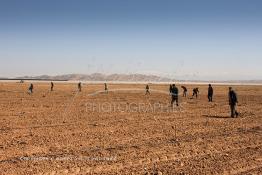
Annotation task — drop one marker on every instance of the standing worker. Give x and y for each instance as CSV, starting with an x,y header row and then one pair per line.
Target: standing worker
x,y
232,96
30,89
147,89
170,88
52,86
79,87
106,88
210,93
174,94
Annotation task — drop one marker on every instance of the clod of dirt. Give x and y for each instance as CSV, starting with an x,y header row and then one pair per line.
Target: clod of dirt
x,y
22,143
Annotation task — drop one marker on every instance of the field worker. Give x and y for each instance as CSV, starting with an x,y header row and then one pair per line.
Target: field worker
x,y
170,89
147,89
30,89
232,97
184,91
195,92
79,87
52,86
174,95
106,88
210,93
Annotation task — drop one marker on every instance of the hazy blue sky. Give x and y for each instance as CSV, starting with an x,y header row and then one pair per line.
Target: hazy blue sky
x,y
186,39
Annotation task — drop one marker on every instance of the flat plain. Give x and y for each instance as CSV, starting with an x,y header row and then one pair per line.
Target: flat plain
x,y
125,131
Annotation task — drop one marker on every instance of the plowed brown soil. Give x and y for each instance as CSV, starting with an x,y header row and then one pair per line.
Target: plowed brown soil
x,y
126,131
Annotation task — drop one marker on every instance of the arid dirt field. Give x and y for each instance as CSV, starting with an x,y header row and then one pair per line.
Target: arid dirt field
x,y
126,131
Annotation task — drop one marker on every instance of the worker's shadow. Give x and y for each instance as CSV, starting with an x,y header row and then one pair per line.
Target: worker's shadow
x,y
215,116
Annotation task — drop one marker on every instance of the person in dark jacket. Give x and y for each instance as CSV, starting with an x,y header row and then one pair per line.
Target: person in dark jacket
x,y
195,92
170,88
147,89
210,93
232,97
52,86
174,94
30,89
79,87
184,91
106,88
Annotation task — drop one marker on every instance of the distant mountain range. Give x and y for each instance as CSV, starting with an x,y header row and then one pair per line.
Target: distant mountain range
x,y
102,77
121,78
